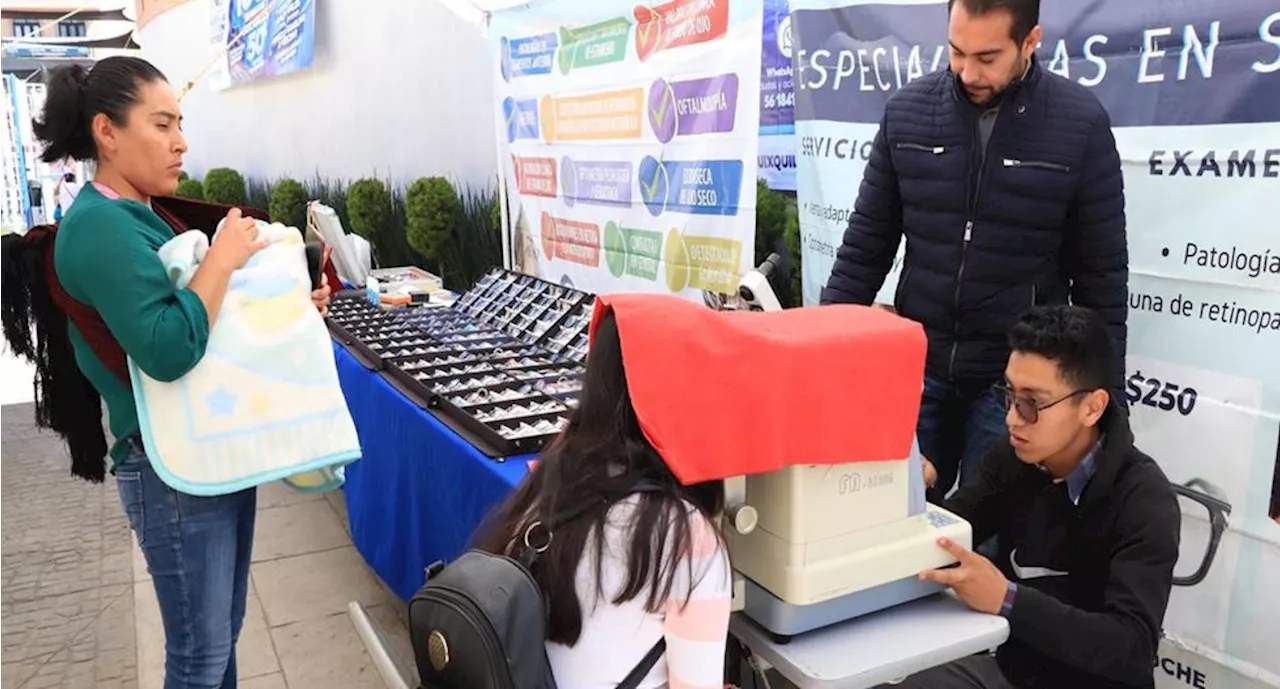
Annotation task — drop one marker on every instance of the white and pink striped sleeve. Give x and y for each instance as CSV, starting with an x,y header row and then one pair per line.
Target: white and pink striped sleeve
x,y
696,632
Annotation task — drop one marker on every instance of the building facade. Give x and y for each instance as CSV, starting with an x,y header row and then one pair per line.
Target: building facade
x,y
38,34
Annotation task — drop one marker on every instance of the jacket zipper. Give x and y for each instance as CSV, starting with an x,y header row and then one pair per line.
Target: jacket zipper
x,y
936,150
898,298
459,603
1053,167
964,250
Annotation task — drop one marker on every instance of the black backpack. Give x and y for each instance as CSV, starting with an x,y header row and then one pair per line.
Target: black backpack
x,y
481,622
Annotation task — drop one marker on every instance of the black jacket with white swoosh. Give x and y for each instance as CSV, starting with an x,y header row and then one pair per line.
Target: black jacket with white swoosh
x,y
1093,579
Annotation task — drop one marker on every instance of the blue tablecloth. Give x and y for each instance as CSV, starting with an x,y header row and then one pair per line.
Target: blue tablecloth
x,y
419,490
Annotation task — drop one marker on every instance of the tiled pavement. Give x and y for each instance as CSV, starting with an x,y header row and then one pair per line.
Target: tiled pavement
x,y
79,610
296,633
67,598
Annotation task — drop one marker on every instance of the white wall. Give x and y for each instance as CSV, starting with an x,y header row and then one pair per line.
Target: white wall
x,y
400,89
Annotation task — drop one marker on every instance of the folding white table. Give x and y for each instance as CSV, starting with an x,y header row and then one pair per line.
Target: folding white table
x,y
879,648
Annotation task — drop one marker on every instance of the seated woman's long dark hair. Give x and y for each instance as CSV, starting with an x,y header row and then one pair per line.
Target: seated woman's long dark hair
x,y
36,329
601,456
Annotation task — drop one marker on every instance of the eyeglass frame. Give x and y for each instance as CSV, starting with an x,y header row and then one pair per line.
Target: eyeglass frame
x,y
1011,401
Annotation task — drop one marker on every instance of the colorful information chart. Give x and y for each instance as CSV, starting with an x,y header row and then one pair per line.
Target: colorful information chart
x,y
633,138
1193,92
267,38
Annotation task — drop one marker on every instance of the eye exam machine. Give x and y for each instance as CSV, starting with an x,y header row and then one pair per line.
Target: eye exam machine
x,y
817,544
809,417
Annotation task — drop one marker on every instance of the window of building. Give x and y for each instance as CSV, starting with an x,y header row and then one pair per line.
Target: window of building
x,y
71,29
26,27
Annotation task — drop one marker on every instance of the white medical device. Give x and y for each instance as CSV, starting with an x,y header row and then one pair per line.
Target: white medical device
x,y
814,545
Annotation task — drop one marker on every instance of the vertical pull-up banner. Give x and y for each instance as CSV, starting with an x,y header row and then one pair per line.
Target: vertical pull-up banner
x,y
777,99
633,132
1193,90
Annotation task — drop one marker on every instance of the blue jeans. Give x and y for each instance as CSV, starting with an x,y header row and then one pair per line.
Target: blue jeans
x,y
197,552
958,423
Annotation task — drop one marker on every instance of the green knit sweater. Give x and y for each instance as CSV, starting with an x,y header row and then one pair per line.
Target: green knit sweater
x,y
105,257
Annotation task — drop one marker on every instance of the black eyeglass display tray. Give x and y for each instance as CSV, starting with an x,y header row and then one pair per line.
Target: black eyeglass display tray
x,y
502,365
530,309
354,323
474,410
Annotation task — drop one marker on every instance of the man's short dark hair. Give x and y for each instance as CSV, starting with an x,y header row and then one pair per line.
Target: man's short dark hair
x,y
1026,13
1073,337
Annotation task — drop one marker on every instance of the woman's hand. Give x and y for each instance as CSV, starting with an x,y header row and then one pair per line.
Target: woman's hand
x,y
320,297
236,241
930,473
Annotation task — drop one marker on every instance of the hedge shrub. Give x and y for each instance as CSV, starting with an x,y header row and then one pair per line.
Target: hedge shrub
x,y
289,204
226,186
431,210
190,189
369,205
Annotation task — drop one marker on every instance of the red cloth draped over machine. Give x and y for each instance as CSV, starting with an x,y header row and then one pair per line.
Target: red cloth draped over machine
x,y
732,393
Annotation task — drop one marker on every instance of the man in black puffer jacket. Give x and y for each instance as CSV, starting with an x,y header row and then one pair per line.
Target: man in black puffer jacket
x,y
1006,181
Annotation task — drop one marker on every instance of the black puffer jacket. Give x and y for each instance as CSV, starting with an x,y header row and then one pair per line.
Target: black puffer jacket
x,y
1039,221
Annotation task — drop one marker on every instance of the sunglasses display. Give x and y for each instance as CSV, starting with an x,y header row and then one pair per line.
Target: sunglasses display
x,y
568,338
503,363
368,332
532,311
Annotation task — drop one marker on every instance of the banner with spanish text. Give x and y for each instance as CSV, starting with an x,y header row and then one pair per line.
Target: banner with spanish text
x,y
632,133
262,39
777,99
1193,90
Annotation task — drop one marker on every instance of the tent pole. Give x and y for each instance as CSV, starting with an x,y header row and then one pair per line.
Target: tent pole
x,y
508,224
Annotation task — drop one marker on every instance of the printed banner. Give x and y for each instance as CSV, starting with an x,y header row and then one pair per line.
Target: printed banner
x,y
266,38
1193,90
777,99
631,130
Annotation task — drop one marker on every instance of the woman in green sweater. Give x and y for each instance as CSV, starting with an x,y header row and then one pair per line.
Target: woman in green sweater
x,y
124,116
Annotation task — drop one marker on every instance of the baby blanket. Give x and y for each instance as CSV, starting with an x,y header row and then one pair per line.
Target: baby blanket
x,y
264,403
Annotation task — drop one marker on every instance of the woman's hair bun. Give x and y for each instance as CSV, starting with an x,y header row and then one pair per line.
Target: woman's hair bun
x,y
74,95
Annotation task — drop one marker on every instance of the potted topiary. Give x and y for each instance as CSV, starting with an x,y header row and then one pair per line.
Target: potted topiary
x,y
224,185
289,203
431,210
190,189
369,207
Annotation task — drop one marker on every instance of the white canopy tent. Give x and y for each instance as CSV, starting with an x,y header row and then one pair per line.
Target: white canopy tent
x,y
477,11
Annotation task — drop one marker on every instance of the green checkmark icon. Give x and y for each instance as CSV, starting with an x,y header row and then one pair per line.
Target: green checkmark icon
x,y
651,187
643,28
662,107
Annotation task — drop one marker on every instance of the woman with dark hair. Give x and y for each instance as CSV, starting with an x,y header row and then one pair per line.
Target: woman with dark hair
x,y
105,290
641,559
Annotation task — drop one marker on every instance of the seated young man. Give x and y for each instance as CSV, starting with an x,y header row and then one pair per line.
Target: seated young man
x,y
1088,525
